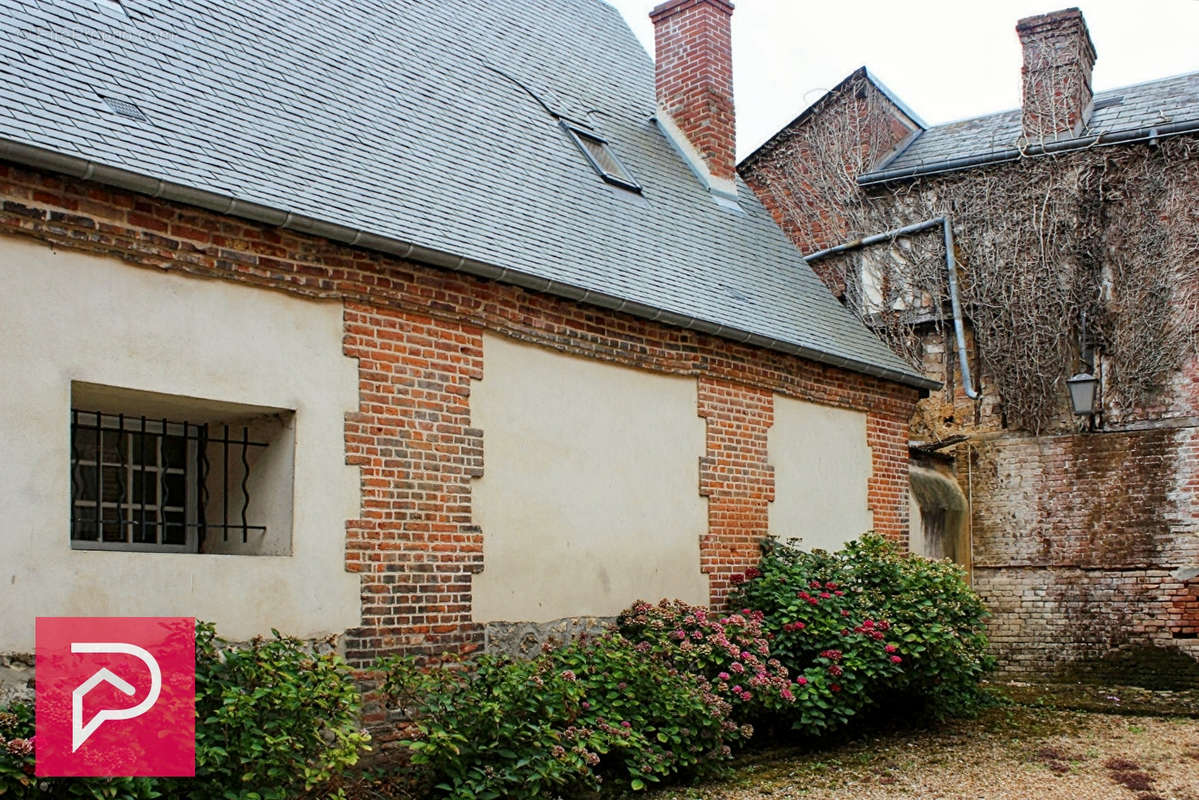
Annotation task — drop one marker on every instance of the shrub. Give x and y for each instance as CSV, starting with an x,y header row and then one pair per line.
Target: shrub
x,y
17,767
869,624
731,652
595,711
939,621
274,718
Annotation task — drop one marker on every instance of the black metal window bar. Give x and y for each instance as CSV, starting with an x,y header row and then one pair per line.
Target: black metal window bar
x,y
140,483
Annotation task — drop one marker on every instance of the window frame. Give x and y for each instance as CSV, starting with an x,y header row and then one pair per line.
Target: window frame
x,y
159,430
578,133
197,471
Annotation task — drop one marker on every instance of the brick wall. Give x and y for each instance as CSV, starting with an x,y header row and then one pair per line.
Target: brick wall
x,y
804,177
1082,546
416,331
1086,545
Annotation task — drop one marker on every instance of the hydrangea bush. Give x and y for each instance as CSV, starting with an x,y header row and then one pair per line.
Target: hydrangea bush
x,y
275,719
594,712
867,625
17,780
730,651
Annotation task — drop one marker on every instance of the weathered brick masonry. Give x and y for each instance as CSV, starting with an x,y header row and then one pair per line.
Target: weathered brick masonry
x,y
1081,548
417,334
801,175
1085,544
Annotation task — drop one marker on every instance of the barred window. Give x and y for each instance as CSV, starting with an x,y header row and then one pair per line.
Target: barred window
x,y
176,485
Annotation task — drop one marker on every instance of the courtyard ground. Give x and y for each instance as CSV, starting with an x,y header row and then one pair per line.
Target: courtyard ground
x,y
1009,753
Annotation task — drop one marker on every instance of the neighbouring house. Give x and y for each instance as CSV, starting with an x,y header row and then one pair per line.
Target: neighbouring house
x,y
439,325
1003,256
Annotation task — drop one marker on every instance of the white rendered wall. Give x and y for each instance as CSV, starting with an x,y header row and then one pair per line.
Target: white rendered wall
x,y
821,470
590,494
67,316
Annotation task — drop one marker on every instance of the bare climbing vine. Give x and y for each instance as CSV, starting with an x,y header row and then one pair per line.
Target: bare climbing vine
x,y
1096,249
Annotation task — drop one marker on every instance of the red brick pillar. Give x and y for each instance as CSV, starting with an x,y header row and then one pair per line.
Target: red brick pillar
x,y
415,544
735,477
887,490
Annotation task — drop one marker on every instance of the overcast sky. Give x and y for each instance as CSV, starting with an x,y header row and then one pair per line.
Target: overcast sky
x,y
947,59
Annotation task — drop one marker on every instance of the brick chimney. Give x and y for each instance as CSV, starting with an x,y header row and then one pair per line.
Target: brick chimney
x,y
694,77
1058,59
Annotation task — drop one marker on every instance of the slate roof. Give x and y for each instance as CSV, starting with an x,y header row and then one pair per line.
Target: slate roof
x,y
1143,105
425,122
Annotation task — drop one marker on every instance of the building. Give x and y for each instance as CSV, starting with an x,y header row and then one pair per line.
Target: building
x,y
1003,256
432,324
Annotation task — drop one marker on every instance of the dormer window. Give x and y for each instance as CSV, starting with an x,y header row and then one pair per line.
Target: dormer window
x,y
601,157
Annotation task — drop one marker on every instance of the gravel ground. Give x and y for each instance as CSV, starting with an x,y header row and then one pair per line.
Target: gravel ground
x,y
1013,753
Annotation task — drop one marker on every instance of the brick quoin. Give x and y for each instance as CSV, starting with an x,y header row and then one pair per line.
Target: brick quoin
x,y
887,490
415,544
416,332
735,477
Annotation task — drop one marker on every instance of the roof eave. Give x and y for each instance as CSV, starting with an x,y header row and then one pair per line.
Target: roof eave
x,y
1148,134
41,158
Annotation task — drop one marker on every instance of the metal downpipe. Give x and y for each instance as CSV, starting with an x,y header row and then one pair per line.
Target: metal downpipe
x,y
951,268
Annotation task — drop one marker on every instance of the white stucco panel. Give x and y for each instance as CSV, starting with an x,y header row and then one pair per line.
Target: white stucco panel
x,y
821,469
589,498
68,316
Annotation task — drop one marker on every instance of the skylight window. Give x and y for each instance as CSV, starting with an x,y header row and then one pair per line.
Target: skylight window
x,y
124,108
601,158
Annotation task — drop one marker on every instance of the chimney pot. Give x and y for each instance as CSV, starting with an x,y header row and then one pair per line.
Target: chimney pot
x,y
693,66
1058,59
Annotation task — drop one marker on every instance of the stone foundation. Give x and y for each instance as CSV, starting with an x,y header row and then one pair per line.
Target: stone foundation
x,y
525,639
16,678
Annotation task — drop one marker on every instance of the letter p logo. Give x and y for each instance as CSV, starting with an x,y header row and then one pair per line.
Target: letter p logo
x,y
79,731
115,696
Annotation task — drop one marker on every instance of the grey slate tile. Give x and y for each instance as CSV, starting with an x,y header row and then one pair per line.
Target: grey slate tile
x,y
382,115
1174,99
